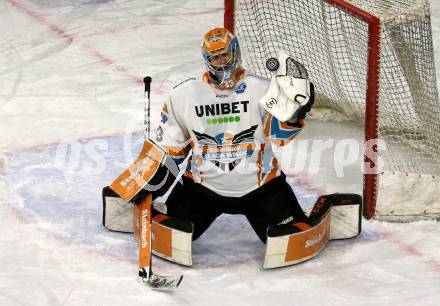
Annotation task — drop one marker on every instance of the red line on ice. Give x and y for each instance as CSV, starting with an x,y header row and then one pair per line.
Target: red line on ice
x,y
44,146
411,250
22,218
157,20
304,179
70,38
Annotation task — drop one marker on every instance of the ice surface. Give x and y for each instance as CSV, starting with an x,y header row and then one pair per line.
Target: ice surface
x,y
71,115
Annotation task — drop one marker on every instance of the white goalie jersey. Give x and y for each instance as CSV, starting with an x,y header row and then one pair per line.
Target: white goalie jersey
x,y
229,134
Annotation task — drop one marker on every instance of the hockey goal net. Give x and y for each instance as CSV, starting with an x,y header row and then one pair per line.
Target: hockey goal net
x,y
370,60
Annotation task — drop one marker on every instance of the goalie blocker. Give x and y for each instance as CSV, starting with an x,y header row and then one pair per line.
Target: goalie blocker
x,y
335,216
148,173
153,172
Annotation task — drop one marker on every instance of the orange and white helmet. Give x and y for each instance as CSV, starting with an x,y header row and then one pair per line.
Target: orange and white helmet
x,y
219,42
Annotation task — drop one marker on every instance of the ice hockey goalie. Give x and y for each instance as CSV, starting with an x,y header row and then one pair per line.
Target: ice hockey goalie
x,y
226,124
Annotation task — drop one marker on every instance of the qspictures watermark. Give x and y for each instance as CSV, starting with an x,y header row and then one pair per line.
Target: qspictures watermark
x,y
300,156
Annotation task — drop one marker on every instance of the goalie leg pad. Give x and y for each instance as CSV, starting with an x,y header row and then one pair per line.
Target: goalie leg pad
x,y
346,215
172,239
335,216
117,214
298,242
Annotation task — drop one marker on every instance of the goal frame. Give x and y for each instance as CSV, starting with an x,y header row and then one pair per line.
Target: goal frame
x,y
372,93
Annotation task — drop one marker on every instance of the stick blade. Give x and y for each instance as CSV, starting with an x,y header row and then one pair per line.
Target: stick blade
x,y
161,282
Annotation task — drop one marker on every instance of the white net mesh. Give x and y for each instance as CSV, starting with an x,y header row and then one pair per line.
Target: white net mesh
x,y
333,46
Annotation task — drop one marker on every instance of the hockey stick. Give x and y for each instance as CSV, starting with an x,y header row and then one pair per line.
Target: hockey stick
x,y
143,226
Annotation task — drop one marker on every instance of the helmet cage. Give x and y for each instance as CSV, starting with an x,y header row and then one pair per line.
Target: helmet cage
x,y
223,72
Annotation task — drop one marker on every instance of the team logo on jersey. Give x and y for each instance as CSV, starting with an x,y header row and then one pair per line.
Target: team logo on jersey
x,y
240,88
227,150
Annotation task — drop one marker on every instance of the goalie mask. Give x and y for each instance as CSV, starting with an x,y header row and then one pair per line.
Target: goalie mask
x,y
221,52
